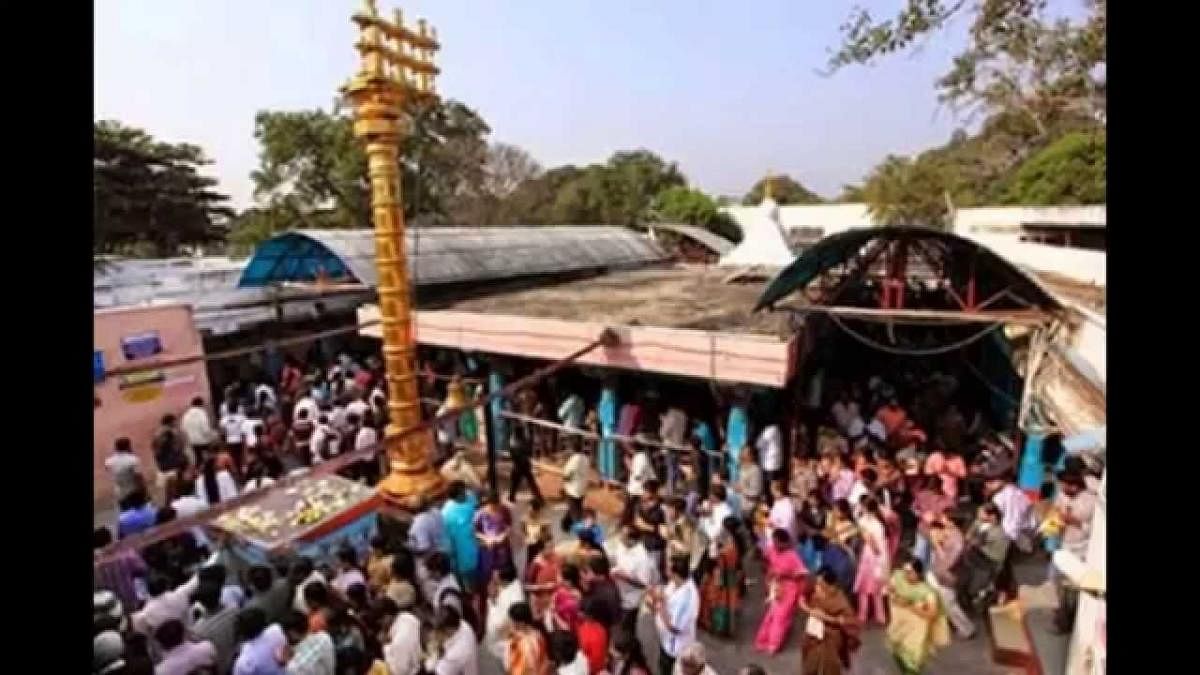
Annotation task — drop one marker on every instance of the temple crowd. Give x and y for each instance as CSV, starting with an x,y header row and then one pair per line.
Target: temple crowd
x,y
872,505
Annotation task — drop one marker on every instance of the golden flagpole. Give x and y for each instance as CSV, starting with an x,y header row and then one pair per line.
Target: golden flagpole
x,y
396,67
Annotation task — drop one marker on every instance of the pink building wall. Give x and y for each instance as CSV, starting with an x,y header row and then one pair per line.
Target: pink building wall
x,y
728,357
132,405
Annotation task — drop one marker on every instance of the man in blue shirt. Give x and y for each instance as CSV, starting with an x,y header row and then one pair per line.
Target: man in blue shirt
x,y
261,645
427,533
137,514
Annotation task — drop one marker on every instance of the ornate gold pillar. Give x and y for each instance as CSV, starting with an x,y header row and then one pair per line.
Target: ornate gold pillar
x,y
396,65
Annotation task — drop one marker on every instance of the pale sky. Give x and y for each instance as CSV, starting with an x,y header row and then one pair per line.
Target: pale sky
x,y
729,90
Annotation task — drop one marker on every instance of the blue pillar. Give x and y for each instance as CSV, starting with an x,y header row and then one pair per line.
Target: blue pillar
x,y
735,439
1031,471
496,418
606,456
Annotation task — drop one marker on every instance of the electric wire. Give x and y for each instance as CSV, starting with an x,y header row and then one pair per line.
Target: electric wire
x,y
930,351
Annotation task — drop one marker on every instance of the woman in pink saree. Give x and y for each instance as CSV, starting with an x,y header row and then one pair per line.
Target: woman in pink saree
x,y
785,585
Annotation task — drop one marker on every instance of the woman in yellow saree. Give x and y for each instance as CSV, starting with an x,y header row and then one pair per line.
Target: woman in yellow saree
x,y
918,626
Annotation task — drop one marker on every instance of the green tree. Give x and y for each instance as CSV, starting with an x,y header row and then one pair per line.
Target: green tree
x,y
784,190
679,204
628,183
443,162
1072,170
149,196
533,201
902,191
620,191
313,172
1017,60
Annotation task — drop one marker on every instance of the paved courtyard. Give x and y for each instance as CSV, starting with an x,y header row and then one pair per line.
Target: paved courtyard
x,y
962,657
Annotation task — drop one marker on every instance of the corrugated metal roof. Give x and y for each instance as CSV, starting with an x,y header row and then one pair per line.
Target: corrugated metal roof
x,y
209,287
443,255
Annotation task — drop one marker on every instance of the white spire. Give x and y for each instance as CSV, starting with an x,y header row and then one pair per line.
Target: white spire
x,y
763,242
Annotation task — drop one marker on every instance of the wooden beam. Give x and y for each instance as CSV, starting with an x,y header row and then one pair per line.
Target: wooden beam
x,y
1020,317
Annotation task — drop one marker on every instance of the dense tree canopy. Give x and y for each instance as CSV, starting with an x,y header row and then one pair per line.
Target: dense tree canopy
x,y
901,191
1039,81
784,190
1072,170
149,196
313,171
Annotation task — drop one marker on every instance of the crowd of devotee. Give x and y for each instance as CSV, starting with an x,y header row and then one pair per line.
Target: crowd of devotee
x,y
876,505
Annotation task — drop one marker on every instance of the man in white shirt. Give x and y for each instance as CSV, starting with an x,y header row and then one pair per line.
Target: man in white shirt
x,y
264,397
677,606
338,415
509,594
180,655
640,471
188,505
1076,505
633,571
861,488
378,401
325,440
783,511
459,654
124,467
166,603
577,474
307,402
770,453
198,429
366,436
233,426
302,574
714,512
402,653
358,406
251,424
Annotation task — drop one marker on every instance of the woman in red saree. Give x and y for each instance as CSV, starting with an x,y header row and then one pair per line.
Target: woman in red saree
x,y
826,648
564,611
720,592
785,584
541,576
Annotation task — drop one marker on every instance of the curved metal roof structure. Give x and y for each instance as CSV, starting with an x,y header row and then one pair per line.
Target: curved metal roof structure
x,y
446,255
960,262
710,240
